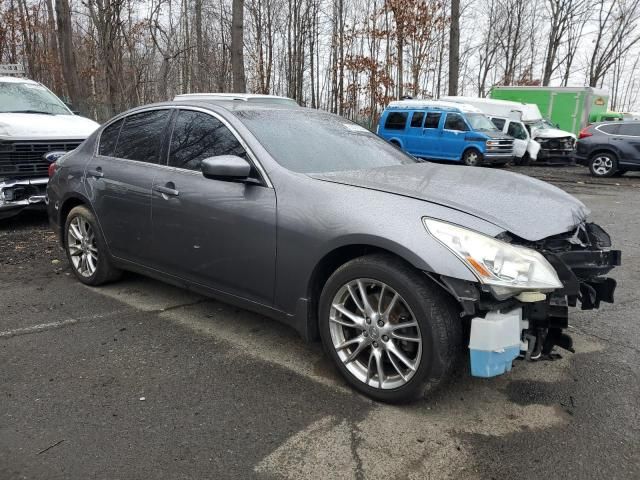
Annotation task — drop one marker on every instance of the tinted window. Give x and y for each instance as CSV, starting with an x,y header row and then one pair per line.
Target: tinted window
x,y
141,136
433,120
310,141
516,130
197,136
498,122
416,119
455,121
610,129
396,121
109,138
629,129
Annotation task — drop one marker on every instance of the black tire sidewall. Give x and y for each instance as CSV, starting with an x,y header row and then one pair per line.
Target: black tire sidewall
x,y
104,268
406,288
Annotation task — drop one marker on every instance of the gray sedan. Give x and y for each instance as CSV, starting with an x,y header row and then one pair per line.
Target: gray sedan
x,y
397,265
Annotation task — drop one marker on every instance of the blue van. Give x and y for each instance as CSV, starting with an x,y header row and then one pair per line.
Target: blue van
x,y
444,131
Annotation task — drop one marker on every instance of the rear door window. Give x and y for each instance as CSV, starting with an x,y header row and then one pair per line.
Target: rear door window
x,y
417,119
141,136
498,122
432,120
109,139
198,135
629,129
455,121
396,121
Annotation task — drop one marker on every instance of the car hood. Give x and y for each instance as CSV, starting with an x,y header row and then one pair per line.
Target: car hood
x,y
523,206
33,126
497,134
551,133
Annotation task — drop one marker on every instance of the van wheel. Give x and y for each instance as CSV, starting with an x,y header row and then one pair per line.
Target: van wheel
x,y
395,143
603,164
391,333
472,157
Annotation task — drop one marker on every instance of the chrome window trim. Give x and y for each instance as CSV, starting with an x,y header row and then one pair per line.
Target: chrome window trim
x,y
607,133
252,157
617,123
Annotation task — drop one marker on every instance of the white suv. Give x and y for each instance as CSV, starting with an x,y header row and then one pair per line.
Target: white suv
x,y
33,122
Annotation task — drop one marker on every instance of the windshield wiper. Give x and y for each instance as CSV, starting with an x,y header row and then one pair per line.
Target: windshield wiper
x,y
30,111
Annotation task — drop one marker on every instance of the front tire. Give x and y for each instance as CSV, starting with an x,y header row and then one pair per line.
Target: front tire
x,y
472,158
391,333
86,248
603,165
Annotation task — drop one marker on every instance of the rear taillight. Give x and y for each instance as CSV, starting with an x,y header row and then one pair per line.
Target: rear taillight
x,y
584,133
52,169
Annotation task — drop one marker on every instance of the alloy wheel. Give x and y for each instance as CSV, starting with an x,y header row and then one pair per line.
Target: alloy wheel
x,y
602,165
83,250
375,334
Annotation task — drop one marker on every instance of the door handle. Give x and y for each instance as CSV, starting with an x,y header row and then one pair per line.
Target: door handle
x,y
168,189
97,173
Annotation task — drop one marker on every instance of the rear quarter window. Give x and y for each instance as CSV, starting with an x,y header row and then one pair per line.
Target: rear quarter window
x,y
609,129
396,121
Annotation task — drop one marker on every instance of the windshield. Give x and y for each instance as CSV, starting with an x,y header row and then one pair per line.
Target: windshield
x,y
542,123
479,122
310,141
29,98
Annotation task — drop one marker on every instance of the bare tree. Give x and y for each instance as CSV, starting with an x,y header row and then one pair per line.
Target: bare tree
x,y
237,46
616,34
454,47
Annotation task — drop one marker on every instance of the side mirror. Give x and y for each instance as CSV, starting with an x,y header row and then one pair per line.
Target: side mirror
x,y
226,167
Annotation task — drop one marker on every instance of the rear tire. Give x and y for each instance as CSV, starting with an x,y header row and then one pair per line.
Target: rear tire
x,y
472,158
362,340
603,164
86,248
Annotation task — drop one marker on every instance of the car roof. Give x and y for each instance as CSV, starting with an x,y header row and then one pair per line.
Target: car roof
x,y
243,97
17,80
437,104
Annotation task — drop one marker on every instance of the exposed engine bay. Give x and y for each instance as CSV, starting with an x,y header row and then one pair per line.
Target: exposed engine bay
x,y
582,258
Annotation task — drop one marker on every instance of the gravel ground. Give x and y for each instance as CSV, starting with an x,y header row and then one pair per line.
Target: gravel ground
x,y
142,380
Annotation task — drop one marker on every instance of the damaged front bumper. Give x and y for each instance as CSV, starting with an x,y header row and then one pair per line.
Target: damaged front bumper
x,y
17,194
532,325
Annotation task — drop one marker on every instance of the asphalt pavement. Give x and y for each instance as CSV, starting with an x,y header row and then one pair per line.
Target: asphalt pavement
x,y
140,380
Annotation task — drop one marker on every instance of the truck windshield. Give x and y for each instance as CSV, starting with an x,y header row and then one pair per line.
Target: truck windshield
x,y
479,122
29,98
542,123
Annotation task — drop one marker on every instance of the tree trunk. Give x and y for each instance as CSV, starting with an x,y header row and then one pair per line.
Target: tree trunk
x,y
237,47
454,47
67,57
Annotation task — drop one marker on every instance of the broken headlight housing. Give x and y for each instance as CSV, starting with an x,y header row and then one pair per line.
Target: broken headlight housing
x,y
508,269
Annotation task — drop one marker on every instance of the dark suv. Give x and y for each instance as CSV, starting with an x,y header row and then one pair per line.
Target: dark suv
x,y
609,148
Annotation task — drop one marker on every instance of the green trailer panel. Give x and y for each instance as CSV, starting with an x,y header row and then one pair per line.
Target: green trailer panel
x,y
567,107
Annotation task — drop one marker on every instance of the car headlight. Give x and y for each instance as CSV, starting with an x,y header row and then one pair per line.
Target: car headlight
x,y
507,268
492,143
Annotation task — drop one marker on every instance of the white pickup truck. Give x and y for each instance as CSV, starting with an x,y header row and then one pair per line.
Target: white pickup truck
x,y
33,122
